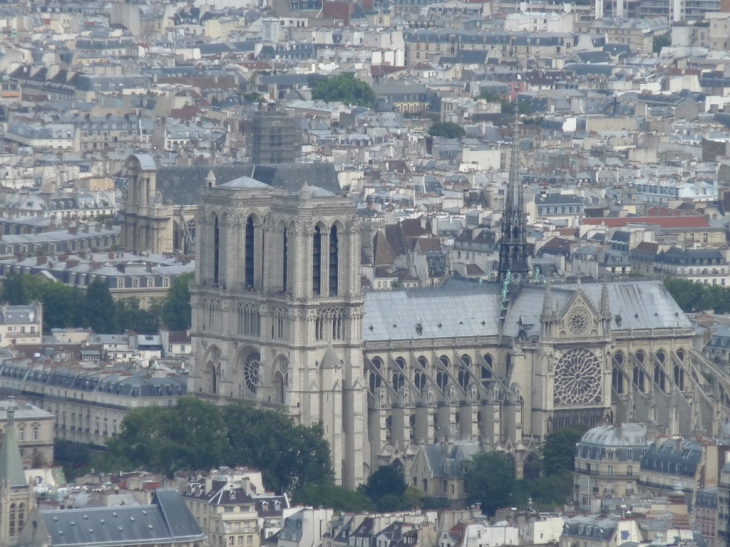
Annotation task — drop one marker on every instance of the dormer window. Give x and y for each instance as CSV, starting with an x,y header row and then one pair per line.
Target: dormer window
x,y
232,495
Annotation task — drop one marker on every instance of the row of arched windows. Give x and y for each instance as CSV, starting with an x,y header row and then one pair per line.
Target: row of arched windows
x,y
249,319
638,376
320,257
16,518
462,374
212,318
330,325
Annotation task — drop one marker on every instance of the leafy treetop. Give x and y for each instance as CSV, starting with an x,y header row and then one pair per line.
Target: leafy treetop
x,y
196,434
344,88
448,130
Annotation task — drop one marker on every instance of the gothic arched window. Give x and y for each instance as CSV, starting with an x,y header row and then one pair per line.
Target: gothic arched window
x,y
216,251
419,379
317,261
250,265
659,377
679,377
334,249
285,260
486,371
463,378
442,380
617,380
638,378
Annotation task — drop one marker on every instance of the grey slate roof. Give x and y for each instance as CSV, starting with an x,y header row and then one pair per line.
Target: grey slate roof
x,y
167,520
394,315
470,309
181,184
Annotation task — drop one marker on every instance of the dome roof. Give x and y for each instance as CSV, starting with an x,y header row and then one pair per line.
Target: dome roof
x,y
623,435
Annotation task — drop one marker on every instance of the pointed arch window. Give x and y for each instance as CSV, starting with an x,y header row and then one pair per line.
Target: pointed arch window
x,y
679,377
617,380
285,260
216,250
317,261
250,258
334,249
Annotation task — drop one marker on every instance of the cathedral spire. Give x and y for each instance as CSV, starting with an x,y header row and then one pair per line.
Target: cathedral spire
x,y
513,247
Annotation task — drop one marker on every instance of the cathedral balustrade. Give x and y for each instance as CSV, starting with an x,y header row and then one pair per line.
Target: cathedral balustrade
x,y
652,334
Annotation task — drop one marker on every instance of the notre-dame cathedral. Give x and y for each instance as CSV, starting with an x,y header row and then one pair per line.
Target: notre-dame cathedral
x,y
279,318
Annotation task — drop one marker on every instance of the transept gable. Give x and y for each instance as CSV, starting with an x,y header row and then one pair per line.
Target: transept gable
x,y
579,317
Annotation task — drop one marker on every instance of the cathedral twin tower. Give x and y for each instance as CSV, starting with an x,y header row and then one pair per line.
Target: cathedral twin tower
x,y
277,309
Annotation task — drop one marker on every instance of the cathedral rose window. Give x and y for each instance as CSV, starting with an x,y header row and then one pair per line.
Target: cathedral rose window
x,y
578,378
251,371
578,321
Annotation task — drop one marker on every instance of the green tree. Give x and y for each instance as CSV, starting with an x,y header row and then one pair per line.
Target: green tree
x,y
696,297
413,497
288,455
345,88
99,310
62,306
558,452
176,312
196,428
143,440
330,495
21,289
661,41
489,96
385,487
131,317
14,292
448,130
189,436
75,458
490,480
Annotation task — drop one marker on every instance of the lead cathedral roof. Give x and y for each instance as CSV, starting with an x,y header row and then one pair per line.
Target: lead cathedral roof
x,y
180,185
467,309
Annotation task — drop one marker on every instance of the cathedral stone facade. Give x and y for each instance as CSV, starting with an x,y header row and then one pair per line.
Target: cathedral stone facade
x,y
277,309
279,318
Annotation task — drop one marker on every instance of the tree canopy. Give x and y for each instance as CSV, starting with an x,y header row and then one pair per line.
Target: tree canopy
x,y
661,41
176,313
99,310
490,480
331,495
344,88
196,434
558,452
697,297
448,130
66,306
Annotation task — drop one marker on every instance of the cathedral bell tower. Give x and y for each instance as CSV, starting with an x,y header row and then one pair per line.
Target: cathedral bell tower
x,y
513,247
277,309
